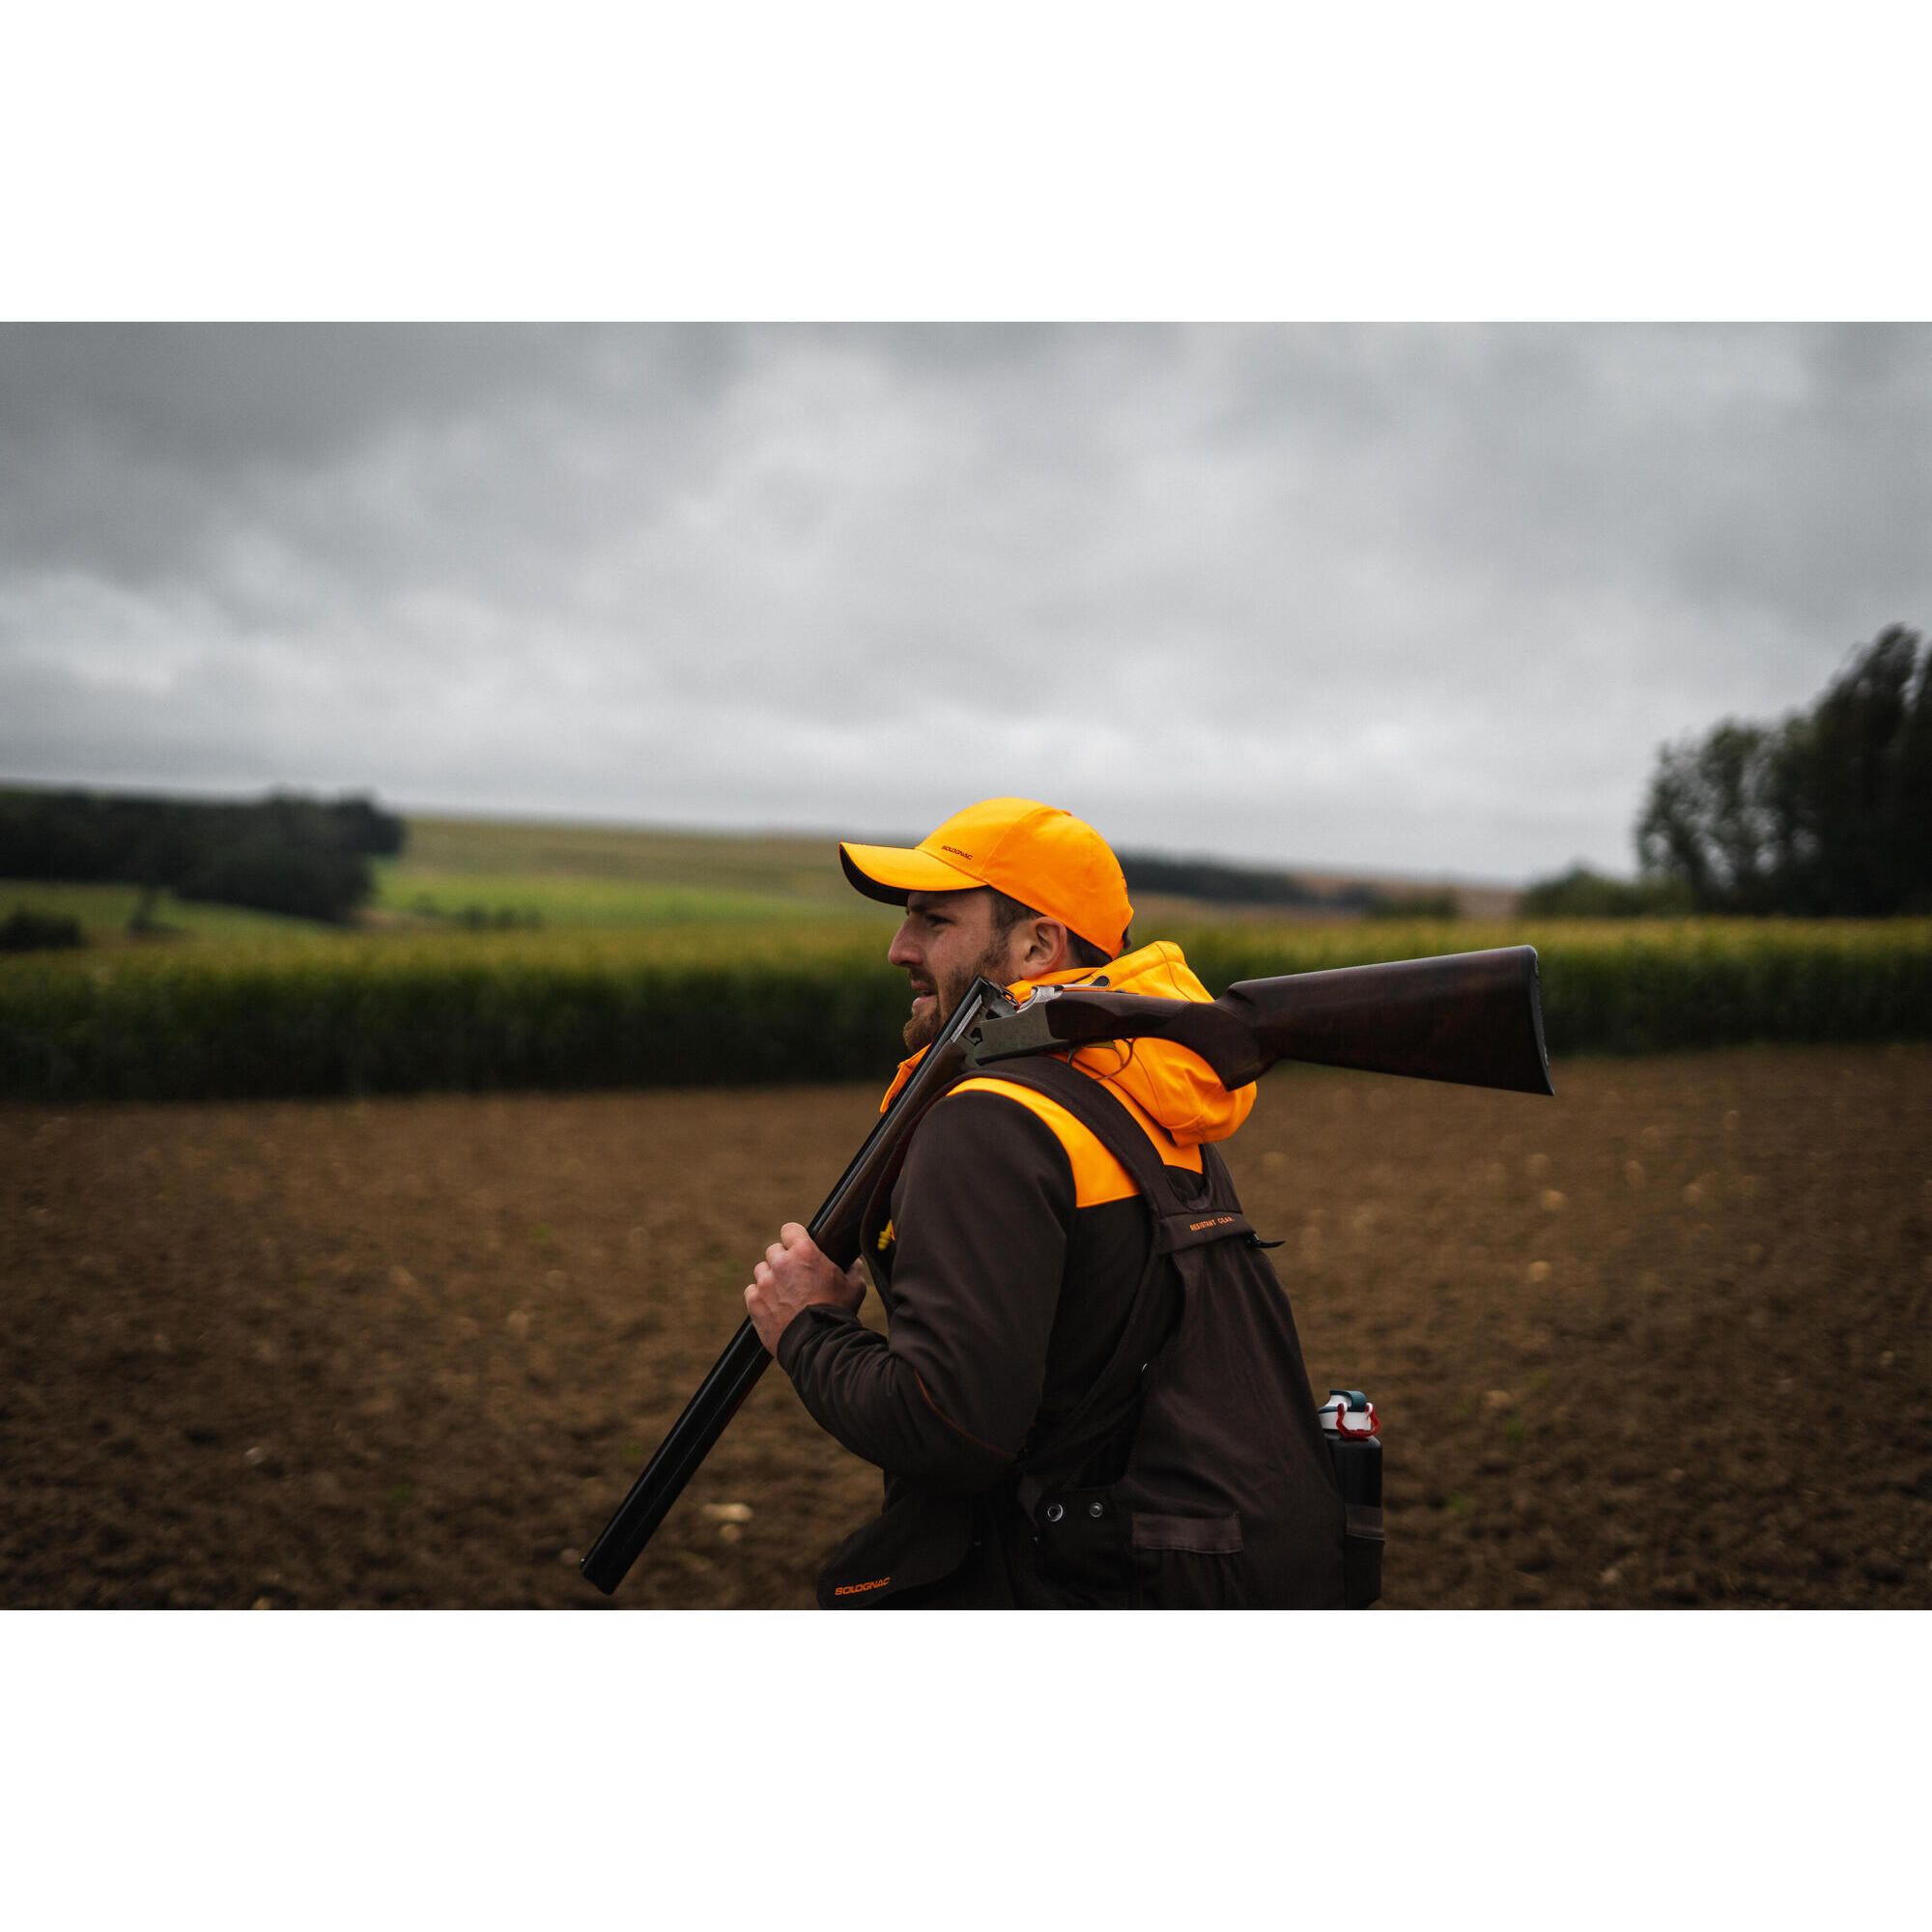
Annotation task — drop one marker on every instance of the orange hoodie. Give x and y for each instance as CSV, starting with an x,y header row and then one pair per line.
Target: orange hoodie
x,y
1165,1085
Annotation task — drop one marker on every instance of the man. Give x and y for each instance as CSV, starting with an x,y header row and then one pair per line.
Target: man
x,y
1016,1259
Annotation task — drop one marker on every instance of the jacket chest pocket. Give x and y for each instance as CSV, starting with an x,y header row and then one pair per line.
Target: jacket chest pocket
x,y
1187,1562
1099,1554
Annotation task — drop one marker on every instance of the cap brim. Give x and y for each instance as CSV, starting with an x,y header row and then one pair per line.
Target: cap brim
x,y
888,873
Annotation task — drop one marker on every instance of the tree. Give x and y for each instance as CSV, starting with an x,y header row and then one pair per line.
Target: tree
x,y
1714,820
1582,892
285,853
1829,812
1854,751
1912,796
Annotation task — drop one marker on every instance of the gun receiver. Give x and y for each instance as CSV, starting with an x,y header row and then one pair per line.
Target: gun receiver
x,y
1471,1017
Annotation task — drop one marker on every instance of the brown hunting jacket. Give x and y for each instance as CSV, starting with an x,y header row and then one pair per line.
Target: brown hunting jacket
x,y
1015,1257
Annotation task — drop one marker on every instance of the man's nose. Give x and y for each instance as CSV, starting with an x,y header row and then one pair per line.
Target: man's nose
x,y
902,952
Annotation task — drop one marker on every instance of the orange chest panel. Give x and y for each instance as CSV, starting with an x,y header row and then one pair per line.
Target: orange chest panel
x,y
1097,1177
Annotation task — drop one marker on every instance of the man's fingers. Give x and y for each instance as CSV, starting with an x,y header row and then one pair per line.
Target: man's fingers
x,y
791,1234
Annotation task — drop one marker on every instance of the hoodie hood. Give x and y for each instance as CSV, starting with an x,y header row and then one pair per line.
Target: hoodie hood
x,y
1181,1092
1178,1088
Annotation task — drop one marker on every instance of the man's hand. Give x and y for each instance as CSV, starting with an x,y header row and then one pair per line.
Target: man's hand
x,y
793,1275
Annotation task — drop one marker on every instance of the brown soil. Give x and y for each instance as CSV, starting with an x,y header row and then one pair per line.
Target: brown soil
x,y
1660,1340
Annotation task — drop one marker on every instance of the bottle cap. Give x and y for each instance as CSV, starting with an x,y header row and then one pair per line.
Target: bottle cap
x,y
1350,1414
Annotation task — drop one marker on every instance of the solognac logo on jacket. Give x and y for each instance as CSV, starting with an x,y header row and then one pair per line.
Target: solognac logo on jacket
x,y
885,1238
859,1589
1212,1221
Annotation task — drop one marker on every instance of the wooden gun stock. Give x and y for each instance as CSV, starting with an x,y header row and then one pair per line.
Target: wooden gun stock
x,y
1471,1017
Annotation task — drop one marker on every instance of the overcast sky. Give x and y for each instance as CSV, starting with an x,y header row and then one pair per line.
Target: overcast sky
x,y
1414,599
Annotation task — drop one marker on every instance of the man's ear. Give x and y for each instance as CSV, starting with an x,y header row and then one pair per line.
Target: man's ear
x,y
1046,948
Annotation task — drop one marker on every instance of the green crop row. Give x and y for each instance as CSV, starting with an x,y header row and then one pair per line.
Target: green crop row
x,y
412,1022
1631,986
706,1005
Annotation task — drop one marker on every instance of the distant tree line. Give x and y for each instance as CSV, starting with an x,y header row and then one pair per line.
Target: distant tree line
x,y
285,854
1826,814
1241,884
1584,894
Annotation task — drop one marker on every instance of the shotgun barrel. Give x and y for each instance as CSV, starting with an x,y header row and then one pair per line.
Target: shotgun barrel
x,y
834,1229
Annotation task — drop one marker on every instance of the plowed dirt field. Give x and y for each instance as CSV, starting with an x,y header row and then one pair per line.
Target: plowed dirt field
x,y
1660,1340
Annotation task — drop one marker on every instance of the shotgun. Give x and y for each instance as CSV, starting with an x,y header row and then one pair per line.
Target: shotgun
x,y
1471,1017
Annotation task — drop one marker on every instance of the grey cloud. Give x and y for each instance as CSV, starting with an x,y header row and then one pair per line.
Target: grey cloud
x,y
1420,598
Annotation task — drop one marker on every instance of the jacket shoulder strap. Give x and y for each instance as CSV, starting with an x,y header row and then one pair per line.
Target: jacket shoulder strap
x,y
1207,1211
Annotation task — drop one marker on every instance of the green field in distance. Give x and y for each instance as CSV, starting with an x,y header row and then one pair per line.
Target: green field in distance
x,y
457,873
542,892
461,874
578,875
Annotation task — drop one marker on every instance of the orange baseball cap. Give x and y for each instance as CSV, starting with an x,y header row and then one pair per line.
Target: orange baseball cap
x,y
1037,854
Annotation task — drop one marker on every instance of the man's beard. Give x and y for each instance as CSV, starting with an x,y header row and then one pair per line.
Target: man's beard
x,y
923,1029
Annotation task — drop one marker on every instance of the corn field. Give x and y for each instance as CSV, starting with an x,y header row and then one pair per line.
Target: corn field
x,y
724,1004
